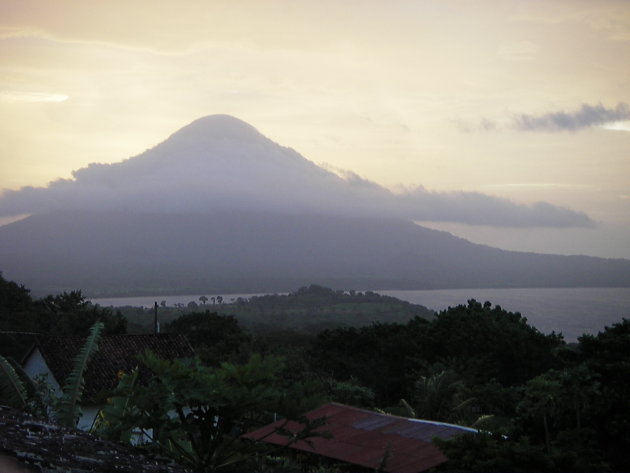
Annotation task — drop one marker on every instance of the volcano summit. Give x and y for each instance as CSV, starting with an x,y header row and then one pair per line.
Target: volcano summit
x,y
218,207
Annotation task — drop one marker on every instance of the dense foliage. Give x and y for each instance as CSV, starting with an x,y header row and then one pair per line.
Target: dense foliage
x,y
479,342
193,412
22,318
307,310
216,338
551,406
540,404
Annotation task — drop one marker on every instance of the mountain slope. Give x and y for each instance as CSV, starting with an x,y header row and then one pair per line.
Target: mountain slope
x,y
122,253
217,207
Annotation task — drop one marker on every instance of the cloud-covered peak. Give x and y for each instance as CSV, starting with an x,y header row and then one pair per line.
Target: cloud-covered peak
x,y
223,127
211,152
219,163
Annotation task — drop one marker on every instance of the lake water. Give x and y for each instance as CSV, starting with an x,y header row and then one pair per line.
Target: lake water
x,y
572,311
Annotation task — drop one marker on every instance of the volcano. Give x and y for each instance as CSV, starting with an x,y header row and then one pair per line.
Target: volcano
x,y
218,207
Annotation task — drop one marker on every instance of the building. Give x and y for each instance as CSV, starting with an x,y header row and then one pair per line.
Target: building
x,y
53,358
377,441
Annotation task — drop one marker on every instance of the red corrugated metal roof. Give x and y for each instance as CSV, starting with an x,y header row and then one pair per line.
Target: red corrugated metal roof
x,y
365,438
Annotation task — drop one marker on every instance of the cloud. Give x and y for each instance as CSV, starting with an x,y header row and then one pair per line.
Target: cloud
x,y
482,125
221,164
32,97
519,51
585,117
475,208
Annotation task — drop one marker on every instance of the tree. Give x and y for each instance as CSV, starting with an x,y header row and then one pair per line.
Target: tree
x,y
377,356
215,338
194,413
484,452
350,392
440,397
606,355
540,400
483,342
13,297
70,313
17,318
477,342
203,299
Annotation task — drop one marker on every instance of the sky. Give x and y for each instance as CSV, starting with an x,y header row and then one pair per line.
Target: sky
x,y
520,101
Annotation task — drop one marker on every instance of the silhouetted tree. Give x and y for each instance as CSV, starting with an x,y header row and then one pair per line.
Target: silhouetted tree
x,y
214,337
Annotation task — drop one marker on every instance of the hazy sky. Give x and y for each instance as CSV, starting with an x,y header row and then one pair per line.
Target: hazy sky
x,y
523,100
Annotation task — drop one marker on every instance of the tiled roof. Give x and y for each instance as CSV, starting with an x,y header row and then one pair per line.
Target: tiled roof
x,y
369,439
40,446
116,353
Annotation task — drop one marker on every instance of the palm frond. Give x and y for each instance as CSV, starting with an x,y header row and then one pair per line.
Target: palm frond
x,y
68,411
410,412
29,385
12,390
483,420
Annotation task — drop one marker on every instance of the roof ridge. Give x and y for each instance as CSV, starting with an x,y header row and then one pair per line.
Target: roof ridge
x,y
411,419
116,353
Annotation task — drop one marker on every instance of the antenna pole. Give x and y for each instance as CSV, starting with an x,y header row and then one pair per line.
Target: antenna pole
x,y
155,319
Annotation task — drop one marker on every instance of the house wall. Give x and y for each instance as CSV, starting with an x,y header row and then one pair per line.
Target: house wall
x,y
88,415
35,366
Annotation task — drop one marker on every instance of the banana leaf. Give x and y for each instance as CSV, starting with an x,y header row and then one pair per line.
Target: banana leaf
x,y
12,390
68,410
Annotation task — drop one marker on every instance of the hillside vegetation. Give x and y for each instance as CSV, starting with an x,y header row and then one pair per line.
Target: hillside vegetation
x,y
307,310
539,404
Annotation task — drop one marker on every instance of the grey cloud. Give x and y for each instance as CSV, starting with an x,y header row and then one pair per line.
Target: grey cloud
x,y
475,208
225,165
482,125
585,117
